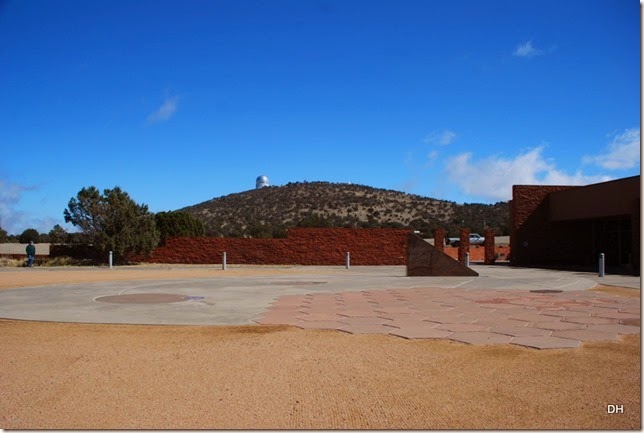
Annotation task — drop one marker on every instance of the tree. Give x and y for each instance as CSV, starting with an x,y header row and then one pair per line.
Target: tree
x,y
29,235
4,236
58,235
113,222
178,223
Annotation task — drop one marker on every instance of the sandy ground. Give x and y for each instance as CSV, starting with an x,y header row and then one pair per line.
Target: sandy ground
x,y
82,376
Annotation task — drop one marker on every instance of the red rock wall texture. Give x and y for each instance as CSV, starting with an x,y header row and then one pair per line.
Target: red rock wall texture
x,y
490,254
464,245
303,246
533,239
477,253
439,239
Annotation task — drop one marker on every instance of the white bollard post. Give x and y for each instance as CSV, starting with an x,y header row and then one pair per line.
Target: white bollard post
x,y
467,259
223,262
602,270
348,260
110,260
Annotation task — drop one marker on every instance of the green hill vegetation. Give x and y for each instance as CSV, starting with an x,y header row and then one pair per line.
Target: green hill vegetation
x,y
268,212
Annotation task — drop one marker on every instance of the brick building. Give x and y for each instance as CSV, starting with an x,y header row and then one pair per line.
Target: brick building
x,y
569,226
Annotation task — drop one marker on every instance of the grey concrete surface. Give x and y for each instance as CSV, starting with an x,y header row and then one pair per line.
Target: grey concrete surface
x,y
238,300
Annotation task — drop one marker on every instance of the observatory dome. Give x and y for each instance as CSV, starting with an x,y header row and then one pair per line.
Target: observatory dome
x,y
261,182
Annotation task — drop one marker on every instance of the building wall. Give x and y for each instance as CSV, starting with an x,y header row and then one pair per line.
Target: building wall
x,y
531,233
563,226
303,246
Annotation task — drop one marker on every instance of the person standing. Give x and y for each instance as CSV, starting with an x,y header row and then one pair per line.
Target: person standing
x,y
31,253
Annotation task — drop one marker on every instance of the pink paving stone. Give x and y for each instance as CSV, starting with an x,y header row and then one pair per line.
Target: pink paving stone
x,y
416,316
616,315
323,304
319,309
462,327
586,335
520,331
603,300
557,325
530,316
419,332
571,303
592,309
567,313
357,306
546,342
460,318
318,317
395,310
619,329
629,310
321,324
469,306
397,322
365,329
499,321
499,306
589,320
363,320
358,313
524,303
480,338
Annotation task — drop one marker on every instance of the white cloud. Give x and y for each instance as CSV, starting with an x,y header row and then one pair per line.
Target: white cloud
x,y
431,158
492,178
13,219
622,153
441,138
10,195
165,111
526,50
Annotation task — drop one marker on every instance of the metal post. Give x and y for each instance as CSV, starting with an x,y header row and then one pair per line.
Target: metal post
x,y
348,260
223,262
467,259
602,261
110,260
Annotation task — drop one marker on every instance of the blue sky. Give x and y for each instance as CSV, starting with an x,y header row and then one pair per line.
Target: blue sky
x,y
178,102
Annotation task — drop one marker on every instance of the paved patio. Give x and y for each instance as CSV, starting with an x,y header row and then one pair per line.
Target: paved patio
x,y
522,306
541,319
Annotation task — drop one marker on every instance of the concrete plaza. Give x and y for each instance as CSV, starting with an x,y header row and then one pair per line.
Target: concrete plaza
x,y
529,307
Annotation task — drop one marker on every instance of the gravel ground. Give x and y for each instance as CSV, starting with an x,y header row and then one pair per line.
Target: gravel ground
x,y
82,376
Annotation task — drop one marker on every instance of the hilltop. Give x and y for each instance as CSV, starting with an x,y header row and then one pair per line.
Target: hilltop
x,y
270,211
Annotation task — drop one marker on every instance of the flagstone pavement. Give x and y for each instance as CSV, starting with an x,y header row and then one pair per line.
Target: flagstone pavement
x,y
547,320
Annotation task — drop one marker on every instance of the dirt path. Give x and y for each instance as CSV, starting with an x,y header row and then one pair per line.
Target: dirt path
x,y
79,376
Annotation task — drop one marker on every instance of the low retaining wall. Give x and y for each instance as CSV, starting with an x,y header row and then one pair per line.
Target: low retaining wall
x,y
302,246
15,249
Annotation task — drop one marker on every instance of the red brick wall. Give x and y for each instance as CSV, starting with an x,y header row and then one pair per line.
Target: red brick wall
x,y
303,246
464,245
477,253
439,239
490,253
533,238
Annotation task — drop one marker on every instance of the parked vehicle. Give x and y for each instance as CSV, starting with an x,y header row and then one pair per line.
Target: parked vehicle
x,y
475,239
